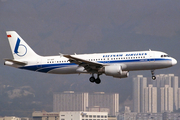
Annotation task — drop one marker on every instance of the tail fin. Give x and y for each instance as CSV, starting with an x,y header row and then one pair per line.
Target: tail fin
x,y
20,49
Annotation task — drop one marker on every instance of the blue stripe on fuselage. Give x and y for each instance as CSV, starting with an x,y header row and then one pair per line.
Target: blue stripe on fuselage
x,y
47,67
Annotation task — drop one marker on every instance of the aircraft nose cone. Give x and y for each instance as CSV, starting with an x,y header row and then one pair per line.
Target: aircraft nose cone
x,y
174,61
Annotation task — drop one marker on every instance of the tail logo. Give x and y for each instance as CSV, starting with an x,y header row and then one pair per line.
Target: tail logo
x,y
20,49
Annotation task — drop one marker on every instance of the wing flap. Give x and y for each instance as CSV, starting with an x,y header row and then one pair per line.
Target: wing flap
x,y
88,65
81,61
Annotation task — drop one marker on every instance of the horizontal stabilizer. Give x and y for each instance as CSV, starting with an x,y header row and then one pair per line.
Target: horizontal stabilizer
x,y
16,62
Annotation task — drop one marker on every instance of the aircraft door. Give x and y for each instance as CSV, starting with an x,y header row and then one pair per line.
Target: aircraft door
x,y
39,62
151,56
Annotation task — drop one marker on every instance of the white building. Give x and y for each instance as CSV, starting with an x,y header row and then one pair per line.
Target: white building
x,y
162,103
175,90
10,118
146,100
94,102
98,109
166,99
162,80
38,115
163,95
81,115
150,99
70,101
136,94
172,81
139,83
105,101
69,115
178,91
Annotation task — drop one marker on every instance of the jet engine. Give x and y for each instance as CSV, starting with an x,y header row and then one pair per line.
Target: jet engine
x,y
115,71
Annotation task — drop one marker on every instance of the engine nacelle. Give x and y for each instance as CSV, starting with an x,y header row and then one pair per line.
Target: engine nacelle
x,y
123,75
115,71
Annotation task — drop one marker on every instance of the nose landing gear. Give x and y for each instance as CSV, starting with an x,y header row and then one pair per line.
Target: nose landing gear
x,y
153,76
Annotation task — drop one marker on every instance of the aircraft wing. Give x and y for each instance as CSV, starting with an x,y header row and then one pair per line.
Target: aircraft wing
x,y
88,65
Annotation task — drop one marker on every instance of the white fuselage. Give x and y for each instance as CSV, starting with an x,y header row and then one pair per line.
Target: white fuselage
x,y
129,61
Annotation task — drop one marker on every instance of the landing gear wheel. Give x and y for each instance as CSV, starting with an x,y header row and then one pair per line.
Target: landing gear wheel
x,y
154,77
92,79
97,81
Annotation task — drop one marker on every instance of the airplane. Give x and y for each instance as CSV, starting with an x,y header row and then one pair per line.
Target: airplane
x,y
115,64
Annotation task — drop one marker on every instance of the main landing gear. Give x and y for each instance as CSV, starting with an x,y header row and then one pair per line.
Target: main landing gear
x,y
97,80
153,76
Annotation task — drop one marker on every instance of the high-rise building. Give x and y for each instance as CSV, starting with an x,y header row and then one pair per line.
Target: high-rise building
x,y
139,83
150,99
178,96
146,100
94,102
162,104
154,100
160,96
136,94
166,99
162,80
175,91
172,81
105,100
70,101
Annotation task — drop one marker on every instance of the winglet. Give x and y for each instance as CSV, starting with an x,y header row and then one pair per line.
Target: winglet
x,y
61,55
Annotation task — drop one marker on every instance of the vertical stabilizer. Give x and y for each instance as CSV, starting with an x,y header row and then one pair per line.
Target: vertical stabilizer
x,y
20,49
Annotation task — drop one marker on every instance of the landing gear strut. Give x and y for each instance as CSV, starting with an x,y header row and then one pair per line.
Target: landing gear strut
x,y
97,80
153,76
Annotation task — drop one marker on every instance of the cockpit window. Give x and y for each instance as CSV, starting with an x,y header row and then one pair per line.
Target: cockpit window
x,y
164,56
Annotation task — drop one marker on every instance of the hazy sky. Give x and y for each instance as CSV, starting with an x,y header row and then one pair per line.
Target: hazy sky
x,y
89,26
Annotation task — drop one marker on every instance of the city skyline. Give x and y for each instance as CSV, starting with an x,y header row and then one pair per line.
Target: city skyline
x,y
160,95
